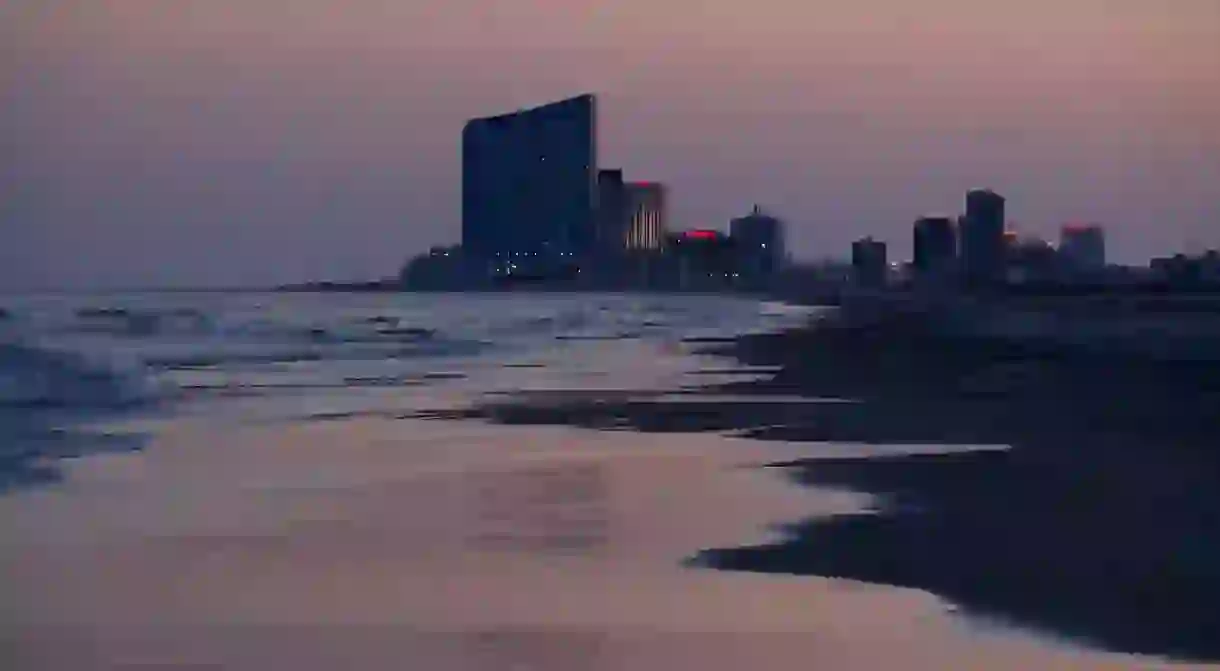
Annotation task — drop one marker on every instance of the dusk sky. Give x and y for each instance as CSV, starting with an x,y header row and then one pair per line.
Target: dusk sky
x,y
226,142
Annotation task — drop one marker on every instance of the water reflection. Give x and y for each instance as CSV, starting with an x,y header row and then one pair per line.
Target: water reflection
x,y
535,650
553,509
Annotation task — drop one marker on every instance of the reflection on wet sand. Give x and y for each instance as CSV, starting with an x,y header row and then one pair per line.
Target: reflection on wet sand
x,y
536,650
374,544
1078,497
558,509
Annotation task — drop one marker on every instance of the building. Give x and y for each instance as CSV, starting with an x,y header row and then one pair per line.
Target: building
x,y
529,183
982,237
613,213
631,215
704,259
646,223
1182,271
630,233
441,268
869,262
1082,247
1011,239
759,239
1209,266
1032,260
935,246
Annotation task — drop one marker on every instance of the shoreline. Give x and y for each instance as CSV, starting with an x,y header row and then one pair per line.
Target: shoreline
x,y
411,541
244,559
1095,521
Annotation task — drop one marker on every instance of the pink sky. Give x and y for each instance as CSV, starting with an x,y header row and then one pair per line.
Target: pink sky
x,y
301,138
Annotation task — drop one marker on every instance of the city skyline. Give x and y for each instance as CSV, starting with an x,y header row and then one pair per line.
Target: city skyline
x,y
218,144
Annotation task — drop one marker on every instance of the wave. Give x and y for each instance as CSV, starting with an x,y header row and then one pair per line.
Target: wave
x,y
98,351
222,355
31,377
187,324
268,325
130,322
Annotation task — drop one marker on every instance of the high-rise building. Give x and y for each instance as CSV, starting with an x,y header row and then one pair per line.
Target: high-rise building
x,y
935,246
1031,259
613,213
759,239
1083,247
705,258
646,224
529,182
869,262
982,236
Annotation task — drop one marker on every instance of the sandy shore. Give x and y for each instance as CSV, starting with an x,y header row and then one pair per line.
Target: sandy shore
x,y
377,543
1095,521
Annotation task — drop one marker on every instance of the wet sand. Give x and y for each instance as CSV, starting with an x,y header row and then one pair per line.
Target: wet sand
x,y
379,543
1096,520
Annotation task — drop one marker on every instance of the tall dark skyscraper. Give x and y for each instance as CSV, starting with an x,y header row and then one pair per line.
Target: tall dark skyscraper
x,y
760,243
614,216
869,262
935,245
529,182
1083,246
982,236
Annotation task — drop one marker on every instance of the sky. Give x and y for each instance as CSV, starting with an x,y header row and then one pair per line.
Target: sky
x,y
247,142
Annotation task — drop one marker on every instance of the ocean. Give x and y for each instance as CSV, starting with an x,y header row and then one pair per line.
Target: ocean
x,y
69,363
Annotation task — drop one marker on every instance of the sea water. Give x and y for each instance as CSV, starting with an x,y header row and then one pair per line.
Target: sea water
x,y
68,362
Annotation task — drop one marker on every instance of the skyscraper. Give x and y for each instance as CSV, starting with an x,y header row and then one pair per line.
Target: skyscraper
x,y
935,246
869,262
759,239
613,215
529,182
646,224
1083,247
982,236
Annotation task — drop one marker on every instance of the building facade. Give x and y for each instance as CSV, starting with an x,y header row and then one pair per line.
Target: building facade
x,y
982,237
1082,247
529,182
935,246
646,225
704,258
759,239
613,213
869,262
1032,260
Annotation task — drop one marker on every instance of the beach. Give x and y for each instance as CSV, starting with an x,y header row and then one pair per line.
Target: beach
x,y
640,518
245,559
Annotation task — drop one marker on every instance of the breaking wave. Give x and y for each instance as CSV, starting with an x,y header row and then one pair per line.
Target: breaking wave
x,y
122,350
32,377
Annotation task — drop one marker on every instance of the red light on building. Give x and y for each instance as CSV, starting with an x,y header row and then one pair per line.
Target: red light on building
x,y
701,234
